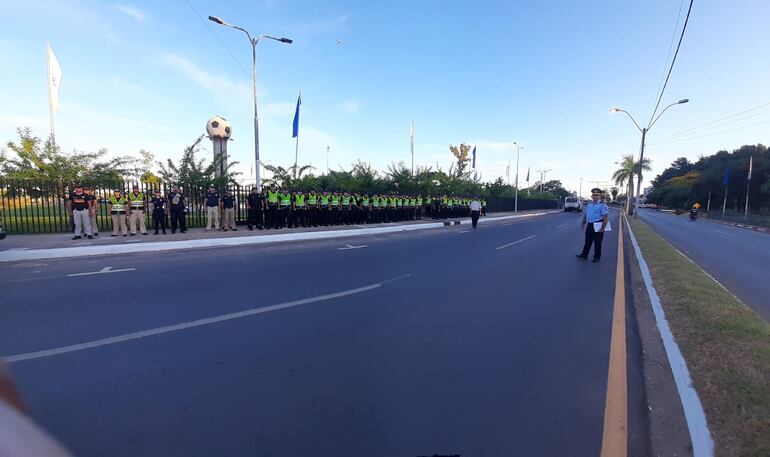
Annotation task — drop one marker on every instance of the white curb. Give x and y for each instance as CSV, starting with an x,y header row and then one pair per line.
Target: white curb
x,y
81,251
702,444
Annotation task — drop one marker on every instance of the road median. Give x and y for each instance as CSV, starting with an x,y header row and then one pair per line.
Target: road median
x,y
725,344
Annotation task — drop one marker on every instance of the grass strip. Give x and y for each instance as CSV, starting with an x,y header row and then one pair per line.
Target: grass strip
x,y
725,343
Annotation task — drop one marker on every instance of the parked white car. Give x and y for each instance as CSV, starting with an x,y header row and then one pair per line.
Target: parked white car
x,y
573,204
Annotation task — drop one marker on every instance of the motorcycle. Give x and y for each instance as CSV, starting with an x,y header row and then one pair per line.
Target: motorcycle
x,y
693,214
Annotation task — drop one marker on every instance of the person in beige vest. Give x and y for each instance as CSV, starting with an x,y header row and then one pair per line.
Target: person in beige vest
x,y
136,211
117,205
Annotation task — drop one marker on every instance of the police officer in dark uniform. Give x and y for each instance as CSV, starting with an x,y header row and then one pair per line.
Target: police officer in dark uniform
x,y
158,212
255,209
177,207
211,200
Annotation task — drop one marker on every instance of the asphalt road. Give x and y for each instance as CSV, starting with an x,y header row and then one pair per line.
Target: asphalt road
x,y
449,341
738,258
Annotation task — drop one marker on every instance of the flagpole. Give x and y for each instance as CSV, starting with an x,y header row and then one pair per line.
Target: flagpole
x,y
48,83
748,183
296,155
724,203
411,143
516,201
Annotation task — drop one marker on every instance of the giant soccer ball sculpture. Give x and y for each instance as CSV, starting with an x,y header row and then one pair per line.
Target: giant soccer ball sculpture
x,y
219,130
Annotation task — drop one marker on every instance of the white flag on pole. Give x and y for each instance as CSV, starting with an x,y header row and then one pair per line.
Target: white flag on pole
x,y
411,137
54,79
751,164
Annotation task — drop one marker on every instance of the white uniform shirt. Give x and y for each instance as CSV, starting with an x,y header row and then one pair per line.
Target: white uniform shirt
x,y
475,205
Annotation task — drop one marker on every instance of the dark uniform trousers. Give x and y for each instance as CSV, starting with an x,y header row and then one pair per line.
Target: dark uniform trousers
x,y
299,216
272,215
312,215
595,238
255,217
159,219
178,219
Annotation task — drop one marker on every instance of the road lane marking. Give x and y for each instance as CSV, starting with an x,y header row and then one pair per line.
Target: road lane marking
x,y
515,242
102,271
562,225
723,233
463,231
351,247
193,324
697,425
615,435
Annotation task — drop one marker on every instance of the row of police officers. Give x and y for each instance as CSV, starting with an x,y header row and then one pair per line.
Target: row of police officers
x,y
272,209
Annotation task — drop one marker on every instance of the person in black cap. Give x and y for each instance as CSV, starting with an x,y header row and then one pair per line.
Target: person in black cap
x,y
256,203
177,207
80,205
158,212
595,213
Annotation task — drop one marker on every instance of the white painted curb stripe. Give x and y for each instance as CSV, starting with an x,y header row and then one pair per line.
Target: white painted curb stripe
x,y
702,444
187,325
81,251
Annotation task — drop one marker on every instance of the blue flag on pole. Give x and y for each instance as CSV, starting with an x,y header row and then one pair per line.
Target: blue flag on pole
x,y
527,175
726,177
295,133
474,158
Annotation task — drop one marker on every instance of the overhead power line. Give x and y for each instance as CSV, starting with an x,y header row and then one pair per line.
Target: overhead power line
x,y
218,39
671,44
717,123
673,61
682,140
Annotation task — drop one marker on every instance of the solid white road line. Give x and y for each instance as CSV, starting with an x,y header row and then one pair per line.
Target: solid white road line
x,y
102,271
515,242
463,231
702,444
723,233
562,225
192,324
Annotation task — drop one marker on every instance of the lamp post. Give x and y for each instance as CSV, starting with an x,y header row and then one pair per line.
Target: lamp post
x,y
518,151
254,42
643,131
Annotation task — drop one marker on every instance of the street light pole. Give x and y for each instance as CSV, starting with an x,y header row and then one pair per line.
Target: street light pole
x,y
643,131
254,42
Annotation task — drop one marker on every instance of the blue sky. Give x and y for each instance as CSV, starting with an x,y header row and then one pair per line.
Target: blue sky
x,y
148,74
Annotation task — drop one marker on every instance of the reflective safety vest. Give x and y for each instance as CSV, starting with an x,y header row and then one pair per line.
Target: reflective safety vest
x,y
345,200
398,202
365,201
312,199
412,202
429,200
299,200
335,200
118,205
272,197
419,201
324,200
483,203
285,199
375,202
137,200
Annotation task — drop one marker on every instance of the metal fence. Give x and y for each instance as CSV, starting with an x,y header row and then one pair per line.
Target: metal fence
x,y
28,206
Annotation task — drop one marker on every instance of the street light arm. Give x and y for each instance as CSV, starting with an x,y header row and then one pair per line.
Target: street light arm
x,y
618,110
664,110
227,24
281,39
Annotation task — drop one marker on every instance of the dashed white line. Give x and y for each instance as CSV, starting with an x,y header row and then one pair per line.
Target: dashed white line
x,y
515,242
463,231
562,225
347,247
723,233
102,271
192,324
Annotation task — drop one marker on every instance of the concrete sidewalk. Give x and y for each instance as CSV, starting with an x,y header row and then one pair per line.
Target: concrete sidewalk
x,y
48,246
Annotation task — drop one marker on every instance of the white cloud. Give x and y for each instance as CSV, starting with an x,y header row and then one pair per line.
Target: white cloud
x,y
276,110
351,106
222,87
131,11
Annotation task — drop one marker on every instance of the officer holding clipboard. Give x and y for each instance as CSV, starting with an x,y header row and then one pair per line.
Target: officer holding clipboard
x,y
595,221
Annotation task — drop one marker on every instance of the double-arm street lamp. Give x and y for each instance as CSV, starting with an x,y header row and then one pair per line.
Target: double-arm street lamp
x,y
254,42
643,131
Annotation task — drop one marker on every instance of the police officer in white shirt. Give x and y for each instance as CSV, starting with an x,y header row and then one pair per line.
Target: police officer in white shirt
x,y
475,211
595,212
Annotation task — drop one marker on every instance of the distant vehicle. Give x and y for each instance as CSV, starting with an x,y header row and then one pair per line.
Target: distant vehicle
x,y
573,204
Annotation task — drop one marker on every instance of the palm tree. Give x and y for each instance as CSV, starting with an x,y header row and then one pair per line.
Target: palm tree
x,y
628,168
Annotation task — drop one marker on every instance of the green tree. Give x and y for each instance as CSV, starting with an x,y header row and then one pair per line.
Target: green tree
x,y
31,158
462,158
194,173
